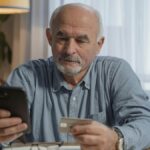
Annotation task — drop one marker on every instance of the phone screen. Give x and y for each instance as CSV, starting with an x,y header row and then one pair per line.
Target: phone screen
x,y
14,99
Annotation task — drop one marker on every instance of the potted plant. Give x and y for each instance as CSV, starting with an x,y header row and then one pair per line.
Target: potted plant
x,y
5,50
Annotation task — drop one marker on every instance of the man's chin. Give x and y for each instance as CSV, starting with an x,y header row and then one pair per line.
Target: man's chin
x,y
70,71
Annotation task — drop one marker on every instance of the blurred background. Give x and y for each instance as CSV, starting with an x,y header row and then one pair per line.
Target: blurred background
x,y
126,30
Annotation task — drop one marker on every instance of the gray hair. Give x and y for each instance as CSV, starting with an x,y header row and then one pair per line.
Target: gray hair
x,y
97,14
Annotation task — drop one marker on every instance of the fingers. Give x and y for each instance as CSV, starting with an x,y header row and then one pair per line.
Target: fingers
x,y
94,136
88,140
7,122
93,128
87,147
13,129
10,127
11,133
4,113
87,134
10,138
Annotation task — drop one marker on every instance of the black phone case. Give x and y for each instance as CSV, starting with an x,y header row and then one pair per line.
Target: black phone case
x,y
14,99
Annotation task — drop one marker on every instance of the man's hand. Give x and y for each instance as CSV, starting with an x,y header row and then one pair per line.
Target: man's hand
x,y
10,127
95,136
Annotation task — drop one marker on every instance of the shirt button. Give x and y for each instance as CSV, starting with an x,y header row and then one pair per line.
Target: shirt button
x,y
74,98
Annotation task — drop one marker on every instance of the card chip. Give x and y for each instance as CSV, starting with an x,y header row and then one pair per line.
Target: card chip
x,y
67,123
63,125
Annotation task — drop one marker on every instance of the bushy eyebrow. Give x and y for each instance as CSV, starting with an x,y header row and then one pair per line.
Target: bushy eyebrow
x,y
81,37
60,33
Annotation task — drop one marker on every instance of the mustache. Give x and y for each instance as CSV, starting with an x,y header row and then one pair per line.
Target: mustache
x,y
76,59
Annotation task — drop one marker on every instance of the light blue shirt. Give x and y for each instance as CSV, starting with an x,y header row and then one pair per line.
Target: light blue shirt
x,y
109,93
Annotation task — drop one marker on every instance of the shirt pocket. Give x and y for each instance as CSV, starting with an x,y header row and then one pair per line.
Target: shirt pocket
x,y
100,117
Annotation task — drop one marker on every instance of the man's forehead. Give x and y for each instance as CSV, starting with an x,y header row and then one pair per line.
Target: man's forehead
x,y
78,21
74,20
75,16
74,26
72,31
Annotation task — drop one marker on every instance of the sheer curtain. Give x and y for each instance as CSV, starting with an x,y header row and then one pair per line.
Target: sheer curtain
x,y
126,30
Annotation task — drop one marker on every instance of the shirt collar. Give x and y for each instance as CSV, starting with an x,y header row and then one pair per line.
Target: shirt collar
x,y
58,81
87,78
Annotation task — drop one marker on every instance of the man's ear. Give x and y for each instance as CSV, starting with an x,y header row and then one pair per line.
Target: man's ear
x,y
49,35
100,43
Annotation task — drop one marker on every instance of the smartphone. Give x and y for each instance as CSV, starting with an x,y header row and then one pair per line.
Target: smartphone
x,y
14,99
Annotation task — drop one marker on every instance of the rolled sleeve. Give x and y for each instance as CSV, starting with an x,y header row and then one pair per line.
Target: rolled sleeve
x,y
131,108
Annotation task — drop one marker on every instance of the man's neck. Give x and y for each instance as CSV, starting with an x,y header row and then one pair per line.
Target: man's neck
x,y
74,80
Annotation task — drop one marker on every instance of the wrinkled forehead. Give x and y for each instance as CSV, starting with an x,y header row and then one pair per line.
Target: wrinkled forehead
x,y
77,17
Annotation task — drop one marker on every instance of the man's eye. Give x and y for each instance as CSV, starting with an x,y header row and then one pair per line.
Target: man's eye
x,y
62,39
81,41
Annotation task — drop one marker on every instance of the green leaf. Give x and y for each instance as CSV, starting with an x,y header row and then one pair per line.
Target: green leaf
x,y
2,38
5,50
3,18
9,55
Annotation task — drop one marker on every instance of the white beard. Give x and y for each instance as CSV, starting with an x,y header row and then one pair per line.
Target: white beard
x,y
68,71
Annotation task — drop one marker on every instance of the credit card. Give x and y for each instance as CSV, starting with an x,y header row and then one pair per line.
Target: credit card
x,y
66,123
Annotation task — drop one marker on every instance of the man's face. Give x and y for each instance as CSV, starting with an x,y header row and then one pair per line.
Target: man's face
x,y
74,41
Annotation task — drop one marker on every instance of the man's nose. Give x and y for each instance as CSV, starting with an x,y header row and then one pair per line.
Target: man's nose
x,y
71,46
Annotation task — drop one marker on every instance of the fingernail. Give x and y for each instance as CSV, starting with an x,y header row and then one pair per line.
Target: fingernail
x,y
15,137
17,120
25,126
8,113
5,113
19,134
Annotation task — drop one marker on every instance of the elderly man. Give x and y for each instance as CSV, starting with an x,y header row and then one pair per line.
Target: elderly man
x,y
76,83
